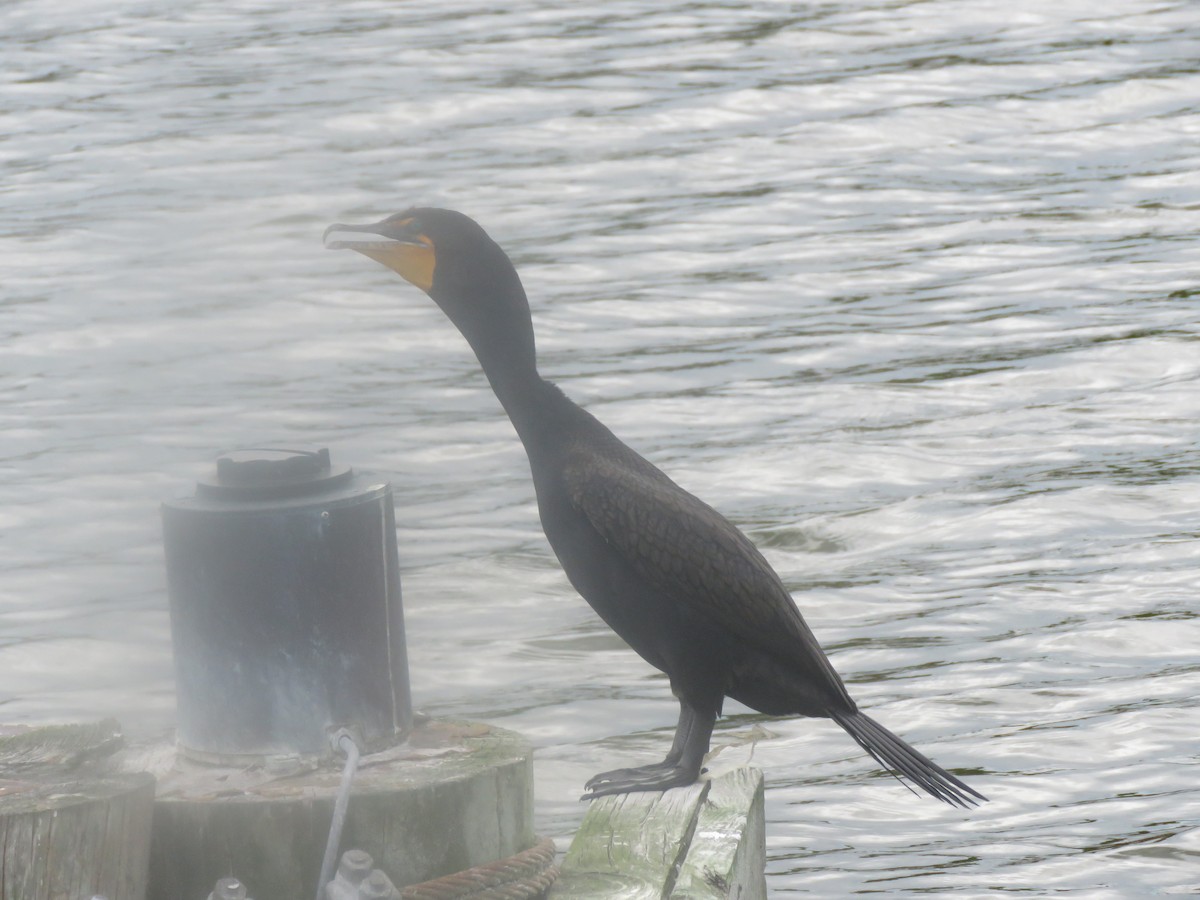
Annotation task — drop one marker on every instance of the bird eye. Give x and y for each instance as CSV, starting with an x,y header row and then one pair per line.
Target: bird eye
x,y
405,227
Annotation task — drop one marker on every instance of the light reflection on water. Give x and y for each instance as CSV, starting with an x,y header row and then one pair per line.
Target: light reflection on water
x,y
907,290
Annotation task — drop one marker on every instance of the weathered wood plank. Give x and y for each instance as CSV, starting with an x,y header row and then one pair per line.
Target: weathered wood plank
x,y
640,846
629,846
727,856
75,838
69,827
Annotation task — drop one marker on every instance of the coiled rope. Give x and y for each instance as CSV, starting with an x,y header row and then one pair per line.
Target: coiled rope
x,y
525,876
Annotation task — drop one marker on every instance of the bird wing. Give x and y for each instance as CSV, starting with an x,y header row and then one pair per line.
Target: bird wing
x,y
690,552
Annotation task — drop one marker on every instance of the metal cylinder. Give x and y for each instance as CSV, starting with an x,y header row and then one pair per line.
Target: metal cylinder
x,y
286,613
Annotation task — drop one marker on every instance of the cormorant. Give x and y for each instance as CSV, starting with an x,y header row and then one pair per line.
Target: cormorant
x,y
668,573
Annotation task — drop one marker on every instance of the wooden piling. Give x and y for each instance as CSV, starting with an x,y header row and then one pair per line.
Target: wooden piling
x,y
69,829
455,795
701,842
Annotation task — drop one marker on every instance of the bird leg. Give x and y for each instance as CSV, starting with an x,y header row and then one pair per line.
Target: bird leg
x,y
681,766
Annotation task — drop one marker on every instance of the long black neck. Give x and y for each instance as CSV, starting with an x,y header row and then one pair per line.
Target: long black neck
x,y
511,369
495,320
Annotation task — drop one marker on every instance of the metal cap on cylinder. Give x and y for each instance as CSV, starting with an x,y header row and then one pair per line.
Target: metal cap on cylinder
x,y
286,613
266,473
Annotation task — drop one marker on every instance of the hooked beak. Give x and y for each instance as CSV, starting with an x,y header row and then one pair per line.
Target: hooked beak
x,y
412,257
362,237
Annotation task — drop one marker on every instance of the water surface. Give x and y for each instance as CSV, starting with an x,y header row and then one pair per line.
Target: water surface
x,y
907,290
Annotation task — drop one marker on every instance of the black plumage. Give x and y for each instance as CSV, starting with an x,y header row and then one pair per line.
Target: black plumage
x,y
668,573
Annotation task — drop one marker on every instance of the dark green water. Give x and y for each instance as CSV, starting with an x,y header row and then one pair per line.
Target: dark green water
x,y
907,290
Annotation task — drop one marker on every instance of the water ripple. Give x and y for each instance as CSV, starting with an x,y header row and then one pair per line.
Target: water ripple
x,y
906,289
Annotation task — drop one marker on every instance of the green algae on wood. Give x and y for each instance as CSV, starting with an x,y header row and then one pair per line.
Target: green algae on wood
x,y
706,840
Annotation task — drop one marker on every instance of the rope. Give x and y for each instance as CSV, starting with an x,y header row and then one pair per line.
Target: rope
x,y
525,876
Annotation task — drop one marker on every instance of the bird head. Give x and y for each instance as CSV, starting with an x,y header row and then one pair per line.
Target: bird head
x,y
438,250
398,242
450,257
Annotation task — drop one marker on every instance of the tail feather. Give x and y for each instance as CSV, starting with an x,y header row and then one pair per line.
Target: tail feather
x,y
904,762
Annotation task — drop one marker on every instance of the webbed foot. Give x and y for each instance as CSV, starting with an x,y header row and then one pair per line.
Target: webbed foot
x,y
657,777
